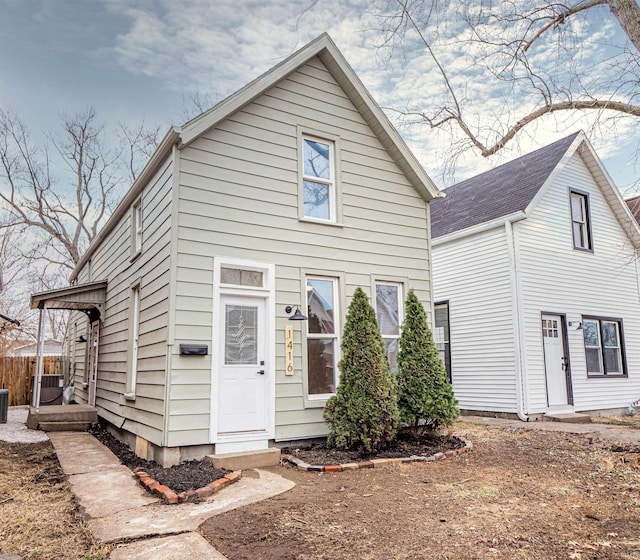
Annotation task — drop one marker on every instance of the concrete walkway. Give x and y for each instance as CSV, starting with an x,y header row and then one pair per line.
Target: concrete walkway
x,y
120,512
601,431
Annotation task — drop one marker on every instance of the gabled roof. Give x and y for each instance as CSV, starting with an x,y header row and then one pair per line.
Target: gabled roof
x,y
325,49
633,203
498,192
513,189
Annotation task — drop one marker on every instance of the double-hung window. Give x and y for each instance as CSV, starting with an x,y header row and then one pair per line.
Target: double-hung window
x,y
441,334
603,346
136,228
389,314
318,179
134,323
322,335
580,221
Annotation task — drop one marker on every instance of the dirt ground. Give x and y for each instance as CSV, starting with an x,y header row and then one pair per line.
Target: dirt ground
x,y
38,515
518,495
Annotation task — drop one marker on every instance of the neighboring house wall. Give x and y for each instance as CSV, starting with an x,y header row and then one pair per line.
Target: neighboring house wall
x,y
559,279
473,275
112,260
239,198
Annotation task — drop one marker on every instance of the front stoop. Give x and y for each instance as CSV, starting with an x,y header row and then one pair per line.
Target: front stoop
x,y
56,418
246,459
568,417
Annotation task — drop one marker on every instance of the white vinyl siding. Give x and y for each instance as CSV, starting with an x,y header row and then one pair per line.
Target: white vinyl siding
x,y
557,279
239,198
473,275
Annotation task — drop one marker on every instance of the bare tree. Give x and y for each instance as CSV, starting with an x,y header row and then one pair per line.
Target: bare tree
x,y
542,58
58,195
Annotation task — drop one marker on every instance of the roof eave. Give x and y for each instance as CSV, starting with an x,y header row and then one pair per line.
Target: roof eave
x,y
478,228
162,151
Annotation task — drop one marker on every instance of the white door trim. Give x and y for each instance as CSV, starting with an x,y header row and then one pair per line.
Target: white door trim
x,y
94,343
559,396
266,292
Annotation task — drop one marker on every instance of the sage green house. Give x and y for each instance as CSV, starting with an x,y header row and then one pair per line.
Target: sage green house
x,y
283,198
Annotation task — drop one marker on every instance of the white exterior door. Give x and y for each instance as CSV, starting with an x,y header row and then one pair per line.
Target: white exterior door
x,y
243,373
555,360
93,361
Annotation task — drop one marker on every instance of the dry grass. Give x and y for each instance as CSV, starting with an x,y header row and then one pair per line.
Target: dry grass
x,y
38,515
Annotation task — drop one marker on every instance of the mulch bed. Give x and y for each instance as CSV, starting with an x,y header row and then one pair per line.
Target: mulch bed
x,y
186,476
405,445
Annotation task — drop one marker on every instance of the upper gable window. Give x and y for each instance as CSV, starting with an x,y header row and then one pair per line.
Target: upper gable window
x,y
136,228
580,221
318,179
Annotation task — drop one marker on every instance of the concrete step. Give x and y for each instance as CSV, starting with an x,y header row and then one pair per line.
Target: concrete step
x,y
246,459
61,413
568,417
64,426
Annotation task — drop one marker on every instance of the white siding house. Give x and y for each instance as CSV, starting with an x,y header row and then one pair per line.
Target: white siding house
x,y
536,261
288,194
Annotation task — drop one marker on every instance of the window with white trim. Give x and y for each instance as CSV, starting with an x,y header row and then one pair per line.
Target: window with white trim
x,y
136,228
389,314
580,221
134,322
318,179
322,335
604,346
441,334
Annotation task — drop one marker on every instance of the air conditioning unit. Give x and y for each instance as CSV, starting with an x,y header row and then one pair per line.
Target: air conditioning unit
x,y
50,389
4,405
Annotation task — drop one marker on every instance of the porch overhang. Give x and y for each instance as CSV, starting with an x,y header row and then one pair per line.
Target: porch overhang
x,y
89,298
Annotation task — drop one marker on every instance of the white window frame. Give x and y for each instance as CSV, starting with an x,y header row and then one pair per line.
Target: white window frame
x,y
134,342
584,223
400,287
318,399
136,228
335,192
601,347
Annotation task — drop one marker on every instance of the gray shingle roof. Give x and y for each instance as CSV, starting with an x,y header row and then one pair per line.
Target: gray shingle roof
x,y
497,192
634,205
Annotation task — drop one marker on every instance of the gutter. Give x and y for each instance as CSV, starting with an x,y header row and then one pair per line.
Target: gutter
x,y
484,226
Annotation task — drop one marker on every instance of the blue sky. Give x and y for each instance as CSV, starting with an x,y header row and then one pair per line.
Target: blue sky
x,y
135,59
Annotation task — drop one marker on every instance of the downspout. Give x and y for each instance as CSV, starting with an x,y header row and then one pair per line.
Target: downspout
x,y
517,332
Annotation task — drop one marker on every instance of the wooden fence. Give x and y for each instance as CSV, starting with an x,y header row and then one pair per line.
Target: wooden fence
x,y
16,374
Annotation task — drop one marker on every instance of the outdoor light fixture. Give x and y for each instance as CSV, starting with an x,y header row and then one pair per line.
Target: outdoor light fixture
x,y
577,325
297,316
81,338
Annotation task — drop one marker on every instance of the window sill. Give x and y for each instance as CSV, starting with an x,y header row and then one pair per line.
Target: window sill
x,y
318,402
129,396
321,222
606,376
135,256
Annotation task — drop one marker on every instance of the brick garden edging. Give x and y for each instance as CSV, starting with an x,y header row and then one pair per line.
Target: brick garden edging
x,y
301,465
171,497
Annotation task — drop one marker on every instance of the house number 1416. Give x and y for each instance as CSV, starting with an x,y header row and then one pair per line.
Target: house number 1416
x,y
288,350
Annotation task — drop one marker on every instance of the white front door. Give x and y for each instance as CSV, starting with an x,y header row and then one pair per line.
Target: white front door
x,y
243,371
555,360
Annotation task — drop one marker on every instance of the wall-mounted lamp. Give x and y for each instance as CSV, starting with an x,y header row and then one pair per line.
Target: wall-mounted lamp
x,y
81,338
297,316
576,324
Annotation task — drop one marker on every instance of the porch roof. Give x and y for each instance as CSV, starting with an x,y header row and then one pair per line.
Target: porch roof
x,y
84,297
